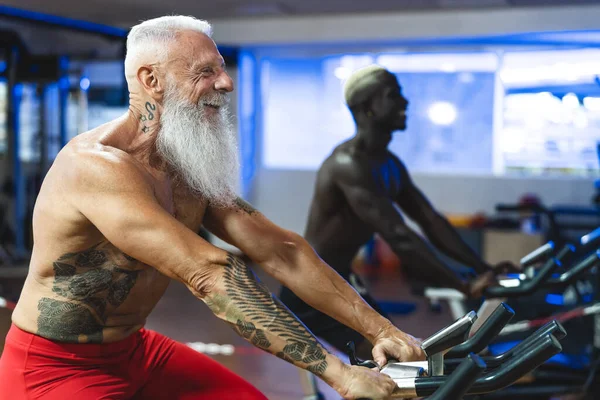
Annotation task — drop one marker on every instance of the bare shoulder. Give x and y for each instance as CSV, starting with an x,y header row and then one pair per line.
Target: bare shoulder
x,y
87,165
346,166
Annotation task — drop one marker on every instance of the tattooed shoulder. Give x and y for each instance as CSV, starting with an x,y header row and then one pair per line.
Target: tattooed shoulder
x,y
245,206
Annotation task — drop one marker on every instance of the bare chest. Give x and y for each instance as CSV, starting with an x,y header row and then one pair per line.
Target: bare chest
x,y
186,208
388,177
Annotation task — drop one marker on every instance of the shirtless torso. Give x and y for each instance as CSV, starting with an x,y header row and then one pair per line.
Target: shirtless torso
x,y
334,228
361,189
118,217
80,287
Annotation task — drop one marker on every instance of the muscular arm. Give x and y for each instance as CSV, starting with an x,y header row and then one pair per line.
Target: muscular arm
x,y
437,228
289,258
113,195
377,210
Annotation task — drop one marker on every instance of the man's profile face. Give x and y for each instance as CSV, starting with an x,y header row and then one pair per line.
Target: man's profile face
x,y
389,105
198,71
196,136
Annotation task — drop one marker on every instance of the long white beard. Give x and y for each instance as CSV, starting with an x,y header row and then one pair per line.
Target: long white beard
x,y
202,149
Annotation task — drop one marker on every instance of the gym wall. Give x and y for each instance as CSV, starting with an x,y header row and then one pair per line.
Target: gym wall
x,y
284,195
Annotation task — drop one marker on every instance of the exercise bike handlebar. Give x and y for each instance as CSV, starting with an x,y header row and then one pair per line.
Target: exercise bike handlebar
x,y
437,343
485,334
540,254
591,239
520,364
449,336
575,272
461,379
553,328
528,286
515,368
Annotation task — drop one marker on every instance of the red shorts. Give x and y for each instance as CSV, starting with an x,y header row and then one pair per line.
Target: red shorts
x,y
145,365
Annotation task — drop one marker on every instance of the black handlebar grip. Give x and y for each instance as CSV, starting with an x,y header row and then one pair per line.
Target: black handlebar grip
x,y
574,273
351,349
449,336
505,375
485,334
526,287
461,379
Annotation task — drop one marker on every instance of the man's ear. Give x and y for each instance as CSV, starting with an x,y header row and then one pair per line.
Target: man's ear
x,y
149,79
368,107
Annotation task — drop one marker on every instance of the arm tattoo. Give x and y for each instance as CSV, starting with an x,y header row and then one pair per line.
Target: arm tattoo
x,y
88,285
245,206
264,321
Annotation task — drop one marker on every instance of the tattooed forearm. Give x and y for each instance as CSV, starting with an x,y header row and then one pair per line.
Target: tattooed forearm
x,y
244,206
263,320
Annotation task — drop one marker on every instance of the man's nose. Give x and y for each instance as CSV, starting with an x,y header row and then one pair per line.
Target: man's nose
x,y
224,83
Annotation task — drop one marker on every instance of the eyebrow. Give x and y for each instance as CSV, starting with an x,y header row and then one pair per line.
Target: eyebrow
x,y
199,65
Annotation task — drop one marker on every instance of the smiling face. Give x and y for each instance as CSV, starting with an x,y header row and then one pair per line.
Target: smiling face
x,y
198,70
388,105
196,137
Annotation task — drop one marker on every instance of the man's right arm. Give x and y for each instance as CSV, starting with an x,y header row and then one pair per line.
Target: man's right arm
x,y
113,195
377,210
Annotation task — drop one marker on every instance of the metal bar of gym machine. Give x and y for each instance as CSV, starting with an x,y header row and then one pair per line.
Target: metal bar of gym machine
x,y
12,127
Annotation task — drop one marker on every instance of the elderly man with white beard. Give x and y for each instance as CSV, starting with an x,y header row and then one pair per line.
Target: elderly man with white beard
x,y
115,221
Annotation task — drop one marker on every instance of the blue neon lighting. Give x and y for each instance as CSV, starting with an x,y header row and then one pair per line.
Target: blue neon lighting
x,y
247,111
555,299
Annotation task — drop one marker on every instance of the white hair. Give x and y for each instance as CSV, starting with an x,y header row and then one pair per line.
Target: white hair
x,y
361,79
150,40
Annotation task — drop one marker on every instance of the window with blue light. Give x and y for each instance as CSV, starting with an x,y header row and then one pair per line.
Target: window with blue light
x,y
300,121
534,113
450,122
550,113
103,83
450,116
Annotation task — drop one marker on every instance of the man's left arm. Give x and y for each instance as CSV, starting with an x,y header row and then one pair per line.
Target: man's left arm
x,y
292,261
437,228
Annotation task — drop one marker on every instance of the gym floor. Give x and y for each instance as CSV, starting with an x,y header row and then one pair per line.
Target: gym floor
x,y
182,317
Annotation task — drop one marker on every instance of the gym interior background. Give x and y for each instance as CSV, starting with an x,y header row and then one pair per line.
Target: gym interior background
x,y
505,109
